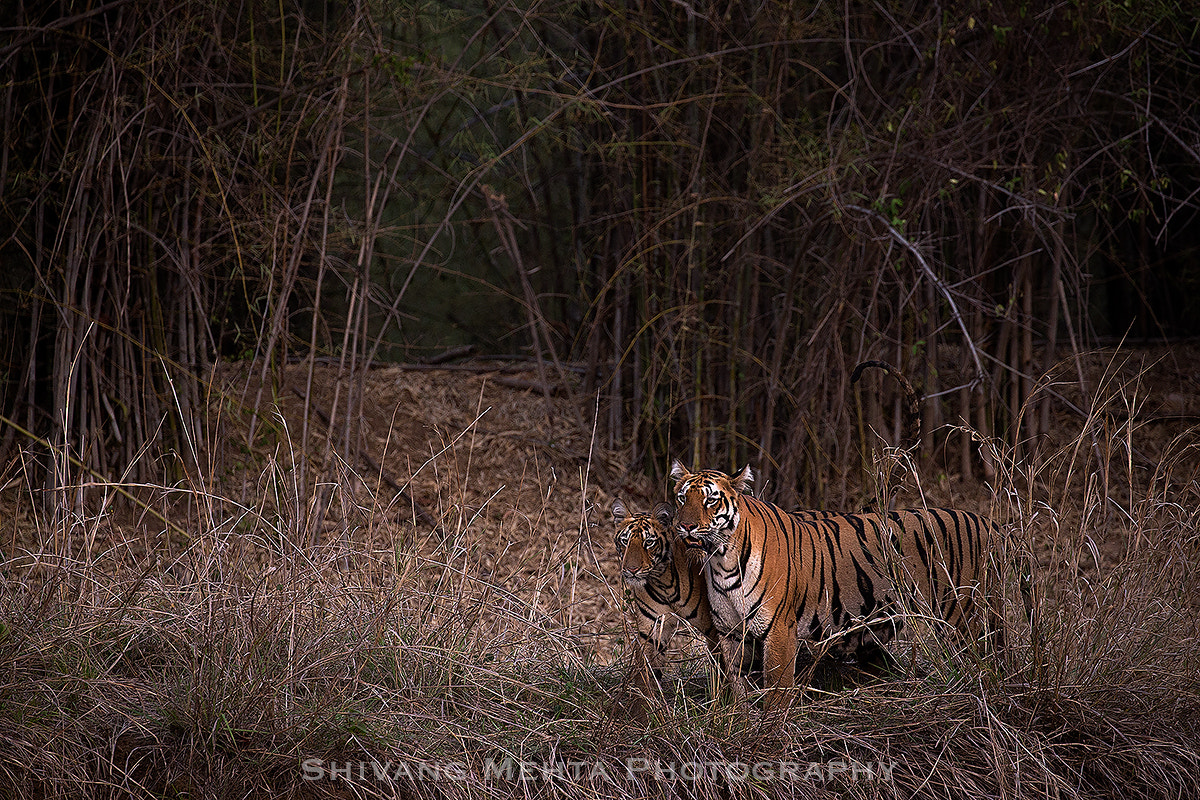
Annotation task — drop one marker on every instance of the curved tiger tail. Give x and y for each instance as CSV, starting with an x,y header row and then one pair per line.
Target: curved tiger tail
x,y
910,424
909,436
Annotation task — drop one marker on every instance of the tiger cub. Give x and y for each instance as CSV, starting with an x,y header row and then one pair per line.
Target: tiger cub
x,y
665,582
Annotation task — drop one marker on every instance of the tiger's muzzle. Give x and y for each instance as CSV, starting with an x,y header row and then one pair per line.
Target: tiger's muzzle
x,y
634,577
695,540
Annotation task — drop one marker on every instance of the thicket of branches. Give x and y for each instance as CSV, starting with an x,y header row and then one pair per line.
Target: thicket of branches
x,y
966,191
167,170
709,211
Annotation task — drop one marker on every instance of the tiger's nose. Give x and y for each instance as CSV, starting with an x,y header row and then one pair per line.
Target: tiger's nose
x,y
689,534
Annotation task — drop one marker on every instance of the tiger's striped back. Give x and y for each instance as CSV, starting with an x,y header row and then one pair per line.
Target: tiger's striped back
x,y
864,570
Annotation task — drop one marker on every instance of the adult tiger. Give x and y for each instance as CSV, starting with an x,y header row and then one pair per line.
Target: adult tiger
x,y
665,583
838,581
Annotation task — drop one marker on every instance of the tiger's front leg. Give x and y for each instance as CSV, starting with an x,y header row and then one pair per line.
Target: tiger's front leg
x,y
735,646
653,638
779,667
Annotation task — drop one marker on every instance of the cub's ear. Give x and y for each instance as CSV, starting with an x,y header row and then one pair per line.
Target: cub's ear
x,y
618,510
743,480
678,470
664,513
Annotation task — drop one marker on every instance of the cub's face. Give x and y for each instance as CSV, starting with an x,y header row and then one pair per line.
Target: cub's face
x,y
708,513
643,542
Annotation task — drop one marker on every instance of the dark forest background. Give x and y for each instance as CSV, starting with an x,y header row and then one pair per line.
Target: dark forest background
x,y
696,216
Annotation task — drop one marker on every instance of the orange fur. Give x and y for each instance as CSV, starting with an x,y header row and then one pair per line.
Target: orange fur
x,y
837,580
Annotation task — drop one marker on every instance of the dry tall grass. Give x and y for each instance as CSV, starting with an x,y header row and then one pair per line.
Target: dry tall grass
x,y
381,659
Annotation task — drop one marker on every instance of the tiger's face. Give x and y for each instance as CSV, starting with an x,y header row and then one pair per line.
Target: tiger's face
x,y
643,542
708,511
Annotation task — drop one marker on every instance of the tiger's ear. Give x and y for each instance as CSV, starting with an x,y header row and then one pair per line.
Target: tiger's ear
x,y
664,513
743,480
618,510
678,470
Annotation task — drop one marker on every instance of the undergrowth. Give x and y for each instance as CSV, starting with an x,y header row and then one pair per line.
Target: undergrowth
x,y
342,669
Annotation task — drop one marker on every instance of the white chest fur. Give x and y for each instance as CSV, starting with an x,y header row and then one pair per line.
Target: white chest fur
x,y
728,581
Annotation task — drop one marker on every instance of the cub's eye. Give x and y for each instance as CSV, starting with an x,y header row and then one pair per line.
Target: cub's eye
x,y
681,498
650,542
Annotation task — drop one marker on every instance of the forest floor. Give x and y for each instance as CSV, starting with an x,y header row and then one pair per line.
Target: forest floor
x,y
522,487
445,590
